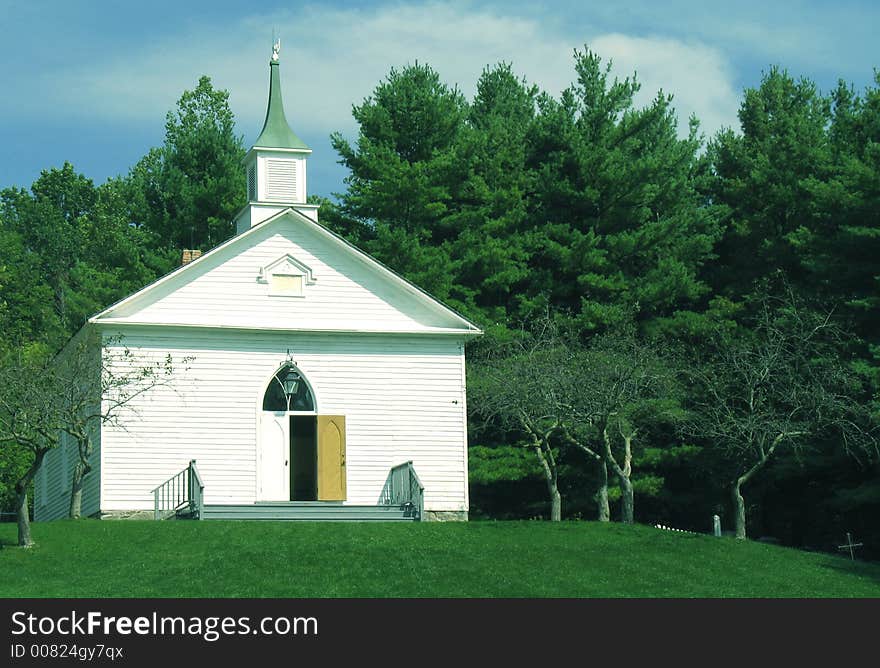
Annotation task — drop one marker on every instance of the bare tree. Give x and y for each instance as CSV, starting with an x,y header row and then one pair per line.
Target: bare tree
x,y
517,386
558,393
25,404
615,384
775,387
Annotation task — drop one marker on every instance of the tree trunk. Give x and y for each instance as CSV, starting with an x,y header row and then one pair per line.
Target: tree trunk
x,y
21,500
24,522
623,473
739,505
548,465
555,504
602,495
76,487
603,512
627,503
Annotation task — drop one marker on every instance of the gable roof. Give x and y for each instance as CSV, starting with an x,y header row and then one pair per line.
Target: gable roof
x,y
184,274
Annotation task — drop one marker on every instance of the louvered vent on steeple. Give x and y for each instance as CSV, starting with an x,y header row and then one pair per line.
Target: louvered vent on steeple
x,y
281,180
252,182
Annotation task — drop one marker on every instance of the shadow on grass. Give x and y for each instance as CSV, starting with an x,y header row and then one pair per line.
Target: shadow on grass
x,y
863,569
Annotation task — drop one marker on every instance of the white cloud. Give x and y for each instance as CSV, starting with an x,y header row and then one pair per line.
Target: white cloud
x,y
332,58
697,75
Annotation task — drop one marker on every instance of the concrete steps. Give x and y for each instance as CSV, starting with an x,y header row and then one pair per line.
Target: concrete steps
x,y
317,511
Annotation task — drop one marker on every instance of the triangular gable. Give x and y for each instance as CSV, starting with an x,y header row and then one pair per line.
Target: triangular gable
x,y
344,288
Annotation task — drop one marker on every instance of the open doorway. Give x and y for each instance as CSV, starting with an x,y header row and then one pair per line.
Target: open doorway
x,y
304,458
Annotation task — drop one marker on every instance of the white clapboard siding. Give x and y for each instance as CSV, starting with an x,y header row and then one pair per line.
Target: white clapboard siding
x,y
402,396
222,288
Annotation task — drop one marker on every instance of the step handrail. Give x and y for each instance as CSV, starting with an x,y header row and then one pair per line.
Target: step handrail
x,y
184,489
404,488
197,489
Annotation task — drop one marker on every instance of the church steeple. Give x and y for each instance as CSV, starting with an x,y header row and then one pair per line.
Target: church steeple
x,y
276,164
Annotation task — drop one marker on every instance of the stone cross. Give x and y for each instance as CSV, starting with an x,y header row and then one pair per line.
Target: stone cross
x,y
849,545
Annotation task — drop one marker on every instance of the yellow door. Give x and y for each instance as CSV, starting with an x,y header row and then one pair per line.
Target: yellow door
x,y
331,458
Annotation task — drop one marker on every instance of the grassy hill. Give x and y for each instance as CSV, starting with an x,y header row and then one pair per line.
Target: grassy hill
x,y
90,558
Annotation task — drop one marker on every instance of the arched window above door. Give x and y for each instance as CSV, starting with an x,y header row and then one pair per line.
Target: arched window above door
x,y
288,391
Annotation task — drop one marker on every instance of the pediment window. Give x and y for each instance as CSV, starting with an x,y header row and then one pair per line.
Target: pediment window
x,y
286,277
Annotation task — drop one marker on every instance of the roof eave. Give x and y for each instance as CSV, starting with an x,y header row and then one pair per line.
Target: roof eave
x,y
428,331
253,149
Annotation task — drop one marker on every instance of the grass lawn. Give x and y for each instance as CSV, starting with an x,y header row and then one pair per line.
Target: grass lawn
x,y
92,558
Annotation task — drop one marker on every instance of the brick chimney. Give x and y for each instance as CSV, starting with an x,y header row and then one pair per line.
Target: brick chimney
x,y
189,256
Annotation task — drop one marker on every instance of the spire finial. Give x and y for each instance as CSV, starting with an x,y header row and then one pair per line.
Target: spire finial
x,y
276,49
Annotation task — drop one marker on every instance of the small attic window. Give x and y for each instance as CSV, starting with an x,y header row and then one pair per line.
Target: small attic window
x,y
286,285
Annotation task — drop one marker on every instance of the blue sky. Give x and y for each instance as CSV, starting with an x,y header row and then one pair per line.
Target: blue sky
x,y
90,81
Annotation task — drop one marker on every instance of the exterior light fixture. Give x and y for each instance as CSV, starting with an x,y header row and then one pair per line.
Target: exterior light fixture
x,y
291,381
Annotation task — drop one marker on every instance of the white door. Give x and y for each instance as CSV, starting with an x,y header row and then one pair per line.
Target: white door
x,y
274,460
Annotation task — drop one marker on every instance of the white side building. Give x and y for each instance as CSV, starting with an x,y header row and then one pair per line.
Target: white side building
x,y
312,370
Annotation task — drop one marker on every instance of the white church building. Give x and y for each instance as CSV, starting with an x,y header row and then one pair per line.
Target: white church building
x,y
319,384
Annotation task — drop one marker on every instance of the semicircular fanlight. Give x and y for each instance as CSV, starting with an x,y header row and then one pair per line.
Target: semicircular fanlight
x,y
277,398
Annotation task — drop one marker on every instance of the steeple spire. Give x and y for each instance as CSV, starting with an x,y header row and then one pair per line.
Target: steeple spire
x,y
276,131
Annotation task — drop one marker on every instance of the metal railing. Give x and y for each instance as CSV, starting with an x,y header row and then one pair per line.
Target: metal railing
x,y
403,488
182,490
